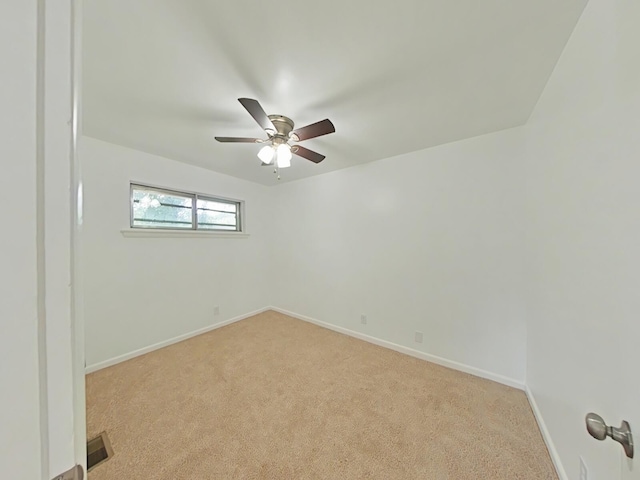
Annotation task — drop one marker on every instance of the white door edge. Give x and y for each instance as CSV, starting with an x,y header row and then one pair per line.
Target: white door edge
x,y
63,410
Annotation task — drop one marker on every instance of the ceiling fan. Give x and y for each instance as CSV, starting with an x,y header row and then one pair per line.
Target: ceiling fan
x,y
280,132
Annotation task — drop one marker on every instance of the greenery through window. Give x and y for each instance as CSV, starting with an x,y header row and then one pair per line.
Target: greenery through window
x,y
159,208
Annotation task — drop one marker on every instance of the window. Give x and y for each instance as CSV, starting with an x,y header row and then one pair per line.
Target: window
x,y
159,208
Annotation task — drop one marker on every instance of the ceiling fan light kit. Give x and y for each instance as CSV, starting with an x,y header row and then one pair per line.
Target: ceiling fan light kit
x,y
283,155
280,131
266,154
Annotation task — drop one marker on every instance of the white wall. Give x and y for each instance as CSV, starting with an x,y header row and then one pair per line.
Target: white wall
x,y
141,291
583,201
19,382
429,241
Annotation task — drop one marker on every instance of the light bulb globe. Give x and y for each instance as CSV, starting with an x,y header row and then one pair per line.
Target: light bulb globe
x,y
266,154
284,155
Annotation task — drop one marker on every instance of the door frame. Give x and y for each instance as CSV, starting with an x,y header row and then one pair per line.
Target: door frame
x,y
77,215
60,218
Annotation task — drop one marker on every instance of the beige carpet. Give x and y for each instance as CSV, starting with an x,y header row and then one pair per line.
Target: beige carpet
x,y
277,398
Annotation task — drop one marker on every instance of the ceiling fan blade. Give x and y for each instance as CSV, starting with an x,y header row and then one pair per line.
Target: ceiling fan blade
x,y
238,140
323,127
306,153
257,112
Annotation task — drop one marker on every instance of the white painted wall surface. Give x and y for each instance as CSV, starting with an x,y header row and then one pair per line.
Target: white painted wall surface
x,y
141,291
19,383
583,212
428,241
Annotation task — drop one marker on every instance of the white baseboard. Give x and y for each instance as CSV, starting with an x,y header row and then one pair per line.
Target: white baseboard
x,y
127,356
410,351
555,457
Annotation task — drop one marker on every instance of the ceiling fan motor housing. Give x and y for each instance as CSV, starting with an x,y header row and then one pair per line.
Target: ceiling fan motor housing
x,y
284,125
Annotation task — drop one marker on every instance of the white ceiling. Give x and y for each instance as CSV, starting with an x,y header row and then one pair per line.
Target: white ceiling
x,y
163,76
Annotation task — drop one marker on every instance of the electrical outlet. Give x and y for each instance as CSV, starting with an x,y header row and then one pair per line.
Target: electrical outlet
x,y
363,319
418,337
584,473
216,310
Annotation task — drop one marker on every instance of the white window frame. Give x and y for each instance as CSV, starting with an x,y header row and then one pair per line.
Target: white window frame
x,y
150,231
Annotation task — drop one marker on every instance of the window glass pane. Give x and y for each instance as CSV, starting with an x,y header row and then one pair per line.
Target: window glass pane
x,y
230,228
217,215
161,209
206,204
216,220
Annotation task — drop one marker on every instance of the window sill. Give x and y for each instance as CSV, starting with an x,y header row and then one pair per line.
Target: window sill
x,y
153,233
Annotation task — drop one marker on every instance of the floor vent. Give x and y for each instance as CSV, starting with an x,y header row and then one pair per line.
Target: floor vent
x,y
98,451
